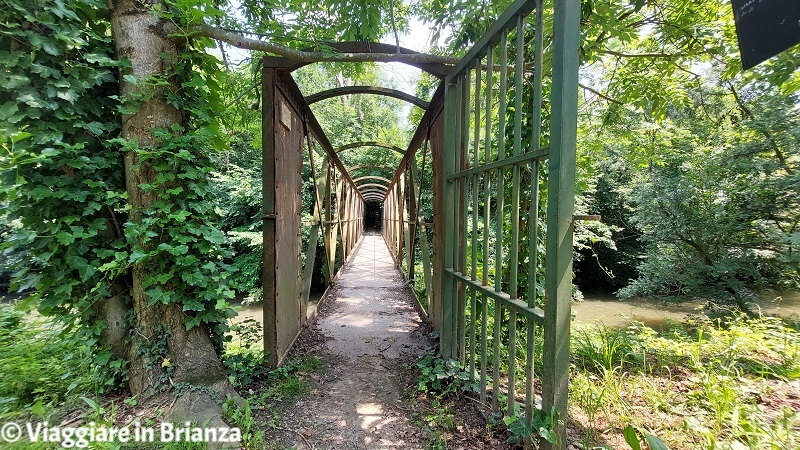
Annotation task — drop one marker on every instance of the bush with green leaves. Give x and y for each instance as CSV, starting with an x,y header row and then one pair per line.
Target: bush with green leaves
x,y
443,376
244,353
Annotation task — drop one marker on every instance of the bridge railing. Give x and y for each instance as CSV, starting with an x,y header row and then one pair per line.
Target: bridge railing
x,y
291,138
509,169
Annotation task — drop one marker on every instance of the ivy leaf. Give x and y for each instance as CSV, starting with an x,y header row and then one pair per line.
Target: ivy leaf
x,y
137,255
82,265
65,238
7,110
158,295
180,216
215,237
94,128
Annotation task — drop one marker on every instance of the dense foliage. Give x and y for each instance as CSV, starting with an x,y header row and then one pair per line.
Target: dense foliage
x,y
62,174
63,179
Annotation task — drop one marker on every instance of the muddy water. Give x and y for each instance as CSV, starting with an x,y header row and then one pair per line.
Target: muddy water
x,y
655,314
255,311
613,312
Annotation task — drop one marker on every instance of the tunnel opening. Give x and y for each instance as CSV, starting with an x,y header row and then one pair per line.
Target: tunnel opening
x,y
373,216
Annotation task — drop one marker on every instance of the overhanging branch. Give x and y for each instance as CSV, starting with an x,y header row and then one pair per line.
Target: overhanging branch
x,y
240,41
600,94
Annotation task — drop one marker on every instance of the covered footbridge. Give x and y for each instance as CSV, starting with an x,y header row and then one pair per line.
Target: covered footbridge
x,y
496,254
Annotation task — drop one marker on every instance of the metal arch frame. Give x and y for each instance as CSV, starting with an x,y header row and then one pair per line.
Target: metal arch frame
x,y
373,185
372,177
375,90
373,198
373,192
438,70
359,144
370,166
376,189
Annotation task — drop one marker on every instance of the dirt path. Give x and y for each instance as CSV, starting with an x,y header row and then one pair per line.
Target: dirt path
x,y
367,330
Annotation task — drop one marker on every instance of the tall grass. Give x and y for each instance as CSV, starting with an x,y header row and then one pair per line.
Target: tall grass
x,y
701,384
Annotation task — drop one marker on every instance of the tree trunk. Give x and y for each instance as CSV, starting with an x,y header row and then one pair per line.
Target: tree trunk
x,y
163,352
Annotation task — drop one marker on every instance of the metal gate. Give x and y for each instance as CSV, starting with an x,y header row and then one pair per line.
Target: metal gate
x,y
505,152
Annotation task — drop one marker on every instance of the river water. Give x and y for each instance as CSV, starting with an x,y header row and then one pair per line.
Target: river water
x,y
607,309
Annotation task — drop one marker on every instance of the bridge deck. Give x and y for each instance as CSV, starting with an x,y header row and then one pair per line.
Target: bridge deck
x,y
366,330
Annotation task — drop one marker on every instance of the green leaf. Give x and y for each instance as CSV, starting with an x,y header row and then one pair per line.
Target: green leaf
x,y
20,136
82,265
92,404
38,409
94,127
8,109
654,442
138,255
65,238
632,438
158,295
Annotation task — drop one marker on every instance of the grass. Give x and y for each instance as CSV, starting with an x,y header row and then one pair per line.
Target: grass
x,y
700,384
44,372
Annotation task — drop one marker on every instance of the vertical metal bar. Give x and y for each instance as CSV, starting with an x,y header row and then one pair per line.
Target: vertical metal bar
x,y
412,217
400,224
512,360
533,218
501,154
463,163
407,227
449,238
337,231
330,249
514,250
475,199
340,218
533,262
497,330
498,246
560,201
268,225
515,182
487,149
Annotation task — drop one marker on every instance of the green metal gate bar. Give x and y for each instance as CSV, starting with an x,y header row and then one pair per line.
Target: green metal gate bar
x,y
489,289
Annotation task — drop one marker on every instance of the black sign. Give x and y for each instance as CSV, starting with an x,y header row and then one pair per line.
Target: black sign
x,y
765,28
